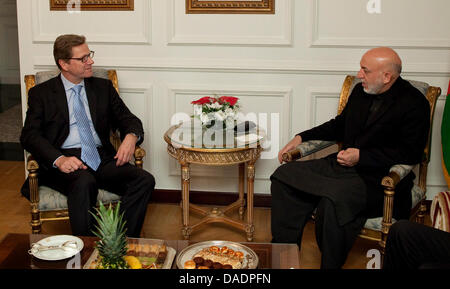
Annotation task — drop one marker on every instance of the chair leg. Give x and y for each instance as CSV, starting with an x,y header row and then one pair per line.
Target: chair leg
x,y
382,243
420,218
387,215
35,219
32,167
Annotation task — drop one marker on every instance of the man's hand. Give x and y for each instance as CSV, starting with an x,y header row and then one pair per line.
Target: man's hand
x,y
126,150
290,146
348,157
69,164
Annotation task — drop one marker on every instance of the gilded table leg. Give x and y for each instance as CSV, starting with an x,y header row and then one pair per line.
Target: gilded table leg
x,y
241,190
185,185
250,228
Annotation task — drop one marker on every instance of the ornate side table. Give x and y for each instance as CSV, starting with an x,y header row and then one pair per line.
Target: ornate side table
x,y
224,148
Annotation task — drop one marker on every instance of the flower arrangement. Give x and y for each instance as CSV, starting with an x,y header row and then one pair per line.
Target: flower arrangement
x,y
216,111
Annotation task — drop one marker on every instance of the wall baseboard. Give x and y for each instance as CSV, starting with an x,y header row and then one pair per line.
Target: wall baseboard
x,y
216,198
207,198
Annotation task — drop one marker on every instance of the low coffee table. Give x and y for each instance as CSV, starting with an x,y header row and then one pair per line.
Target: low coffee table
x,y
14,253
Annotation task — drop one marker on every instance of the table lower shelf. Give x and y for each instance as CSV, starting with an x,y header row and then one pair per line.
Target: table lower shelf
x,y
218,215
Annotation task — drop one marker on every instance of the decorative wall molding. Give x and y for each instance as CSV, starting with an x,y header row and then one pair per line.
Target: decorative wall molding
x,y
102,5
249,65
284,93
316,40
284,39
145,91
141,36
313,94
230,7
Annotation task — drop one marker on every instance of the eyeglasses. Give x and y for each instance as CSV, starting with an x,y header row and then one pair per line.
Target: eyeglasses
x,y
85,58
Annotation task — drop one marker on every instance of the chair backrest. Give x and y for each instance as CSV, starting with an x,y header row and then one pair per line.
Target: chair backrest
x,y
431,93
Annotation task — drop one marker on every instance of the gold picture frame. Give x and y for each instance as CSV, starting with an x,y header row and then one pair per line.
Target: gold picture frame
x,y
230,7
103,5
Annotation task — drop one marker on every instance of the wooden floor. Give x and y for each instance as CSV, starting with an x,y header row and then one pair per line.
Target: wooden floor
x,y
163,221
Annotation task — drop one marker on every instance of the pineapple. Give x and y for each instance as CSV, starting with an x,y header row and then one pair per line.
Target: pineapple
x,y
112,246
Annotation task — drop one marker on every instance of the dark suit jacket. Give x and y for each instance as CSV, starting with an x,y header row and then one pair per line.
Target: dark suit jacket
x,y
396,134
47,120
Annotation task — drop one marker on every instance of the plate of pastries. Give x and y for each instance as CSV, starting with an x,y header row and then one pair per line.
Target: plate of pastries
x,y
217,255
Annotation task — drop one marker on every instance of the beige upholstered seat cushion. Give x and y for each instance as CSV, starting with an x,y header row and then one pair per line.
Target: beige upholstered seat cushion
x,y
50,200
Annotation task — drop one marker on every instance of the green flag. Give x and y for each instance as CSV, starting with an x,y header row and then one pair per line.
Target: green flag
x,y
445,135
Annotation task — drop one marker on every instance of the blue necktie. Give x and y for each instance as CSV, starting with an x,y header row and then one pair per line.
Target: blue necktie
x,y
89,153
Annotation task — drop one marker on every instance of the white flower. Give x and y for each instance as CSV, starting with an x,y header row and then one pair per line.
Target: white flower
x,y
215,105
197,110
229,112
220,115
204,118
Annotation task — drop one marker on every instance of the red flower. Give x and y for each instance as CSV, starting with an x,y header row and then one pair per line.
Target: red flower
x,y
228,99
204,100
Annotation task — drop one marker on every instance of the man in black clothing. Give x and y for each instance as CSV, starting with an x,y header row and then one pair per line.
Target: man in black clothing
x,y
415,246
385,122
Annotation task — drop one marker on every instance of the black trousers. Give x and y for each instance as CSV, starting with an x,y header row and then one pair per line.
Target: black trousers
x,y
134,185
415,246
292,208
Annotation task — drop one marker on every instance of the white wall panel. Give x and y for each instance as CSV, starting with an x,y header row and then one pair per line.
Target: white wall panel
x,y
113,27
400,23
139,99
322,104
204,29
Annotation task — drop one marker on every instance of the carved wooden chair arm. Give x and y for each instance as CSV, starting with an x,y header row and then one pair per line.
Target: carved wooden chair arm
x,y
139,154
32,168
389,182
396,174
32,164
306,148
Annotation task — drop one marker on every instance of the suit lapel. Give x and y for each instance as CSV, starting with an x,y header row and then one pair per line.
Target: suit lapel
x,y
61,99
92,100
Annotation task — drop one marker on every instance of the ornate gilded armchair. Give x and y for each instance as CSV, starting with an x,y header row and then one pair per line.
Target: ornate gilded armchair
x,y
376,229
46,203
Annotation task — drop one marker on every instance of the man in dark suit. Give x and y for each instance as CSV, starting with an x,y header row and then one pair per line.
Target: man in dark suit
x,y
412,246
385,122
67,129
